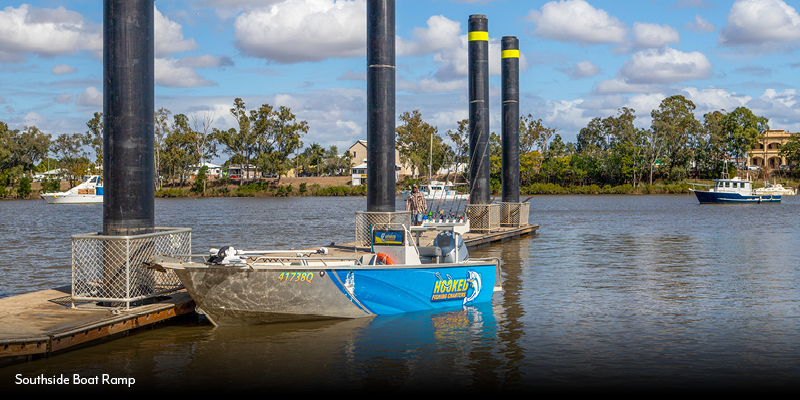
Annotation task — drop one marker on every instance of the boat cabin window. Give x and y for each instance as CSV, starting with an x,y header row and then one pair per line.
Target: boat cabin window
x,y
734,185
727,184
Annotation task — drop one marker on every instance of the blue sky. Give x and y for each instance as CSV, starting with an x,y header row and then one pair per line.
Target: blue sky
x,y
580,60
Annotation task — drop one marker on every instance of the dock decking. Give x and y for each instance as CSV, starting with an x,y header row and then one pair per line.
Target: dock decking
x,y
43,323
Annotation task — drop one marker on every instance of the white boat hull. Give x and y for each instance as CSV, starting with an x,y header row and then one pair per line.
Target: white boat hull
x,y
64,198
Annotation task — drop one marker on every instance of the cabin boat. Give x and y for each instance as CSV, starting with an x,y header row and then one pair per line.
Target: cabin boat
x,y
733,191
235,287
88,192
436,190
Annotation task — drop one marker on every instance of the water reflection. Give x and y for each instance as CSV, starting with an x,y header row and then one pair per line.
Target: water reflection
x,y
614,292
447,349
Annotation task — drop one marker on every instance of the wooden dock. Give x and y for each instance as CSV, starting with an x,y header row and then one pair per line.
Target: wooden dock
x,y
44,323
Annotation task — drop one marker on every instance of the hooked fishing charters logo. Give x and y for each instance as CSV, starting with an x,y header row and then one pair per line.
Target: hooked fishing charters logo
x,y
455,289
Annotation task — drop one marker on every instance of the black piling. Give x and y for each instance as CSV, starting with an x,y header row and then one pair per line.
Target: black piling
x,y
480,184
510,82
380,106
128,112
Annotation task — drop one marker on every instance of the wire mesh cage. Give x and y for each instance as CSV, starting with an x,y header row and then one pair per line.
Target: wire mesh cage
x,y
365,221
484,217
110,268
514,214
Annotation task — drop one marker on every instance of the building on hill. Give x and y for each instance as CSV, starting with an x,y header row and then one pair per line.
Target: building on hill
x,y
766,154
358,156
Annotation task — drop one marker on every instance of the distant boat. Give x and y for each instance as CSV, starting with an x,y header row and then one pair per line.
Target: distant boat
x,y
734,191
775,188
88,192
442,191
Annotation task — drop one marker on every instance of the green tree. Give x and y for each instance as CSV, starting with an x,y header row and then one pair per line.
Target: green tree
x,y
94,136
24,188
179,151
675,123
241,142
419,145
161,130
533,134
742,130
70,151
278,136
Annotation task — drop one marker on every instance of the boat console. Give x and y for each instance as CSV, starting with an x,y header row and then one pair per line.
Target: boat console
x,y
447,247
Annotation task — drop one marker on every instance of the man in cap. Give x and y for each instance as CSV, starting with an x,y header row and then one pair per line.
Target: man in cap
x,y
416,204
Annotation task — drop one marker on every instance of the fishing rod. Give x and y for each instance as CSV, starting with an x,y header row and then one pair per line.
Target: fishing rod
x,y
472,160
444,189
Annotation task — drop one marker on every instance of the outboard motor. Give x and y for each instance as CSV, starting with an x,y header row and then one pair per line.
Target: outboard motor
x,y
447,241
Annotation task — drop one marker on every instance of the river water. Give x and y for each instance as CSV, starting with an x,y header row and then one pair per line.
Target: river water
x,y
651,292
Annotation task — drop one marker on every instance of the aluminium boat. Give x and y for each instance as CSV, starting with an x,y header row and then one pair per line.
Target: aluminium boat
x,y
88,192
235,287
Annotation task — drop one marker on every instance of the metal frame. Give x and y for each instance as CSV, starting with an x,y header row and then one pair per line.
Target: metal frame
x,y
484,217
109,268
365,220
514,214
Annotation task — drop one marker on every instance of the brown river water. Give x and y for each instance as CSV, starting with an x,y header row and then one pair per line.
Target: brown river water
x,y
652,292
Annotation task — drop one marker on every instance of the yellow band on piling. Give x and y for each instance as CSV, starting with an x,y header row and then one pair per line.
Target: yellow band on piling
x,y
478,35
509,54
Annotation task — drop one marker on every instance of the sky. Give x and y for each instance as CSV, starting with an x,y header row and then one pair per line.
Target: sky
x,y
579,59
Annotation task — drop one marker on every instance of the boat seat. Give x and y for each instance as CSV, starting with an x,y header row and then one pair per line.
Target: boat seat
x,y
434,253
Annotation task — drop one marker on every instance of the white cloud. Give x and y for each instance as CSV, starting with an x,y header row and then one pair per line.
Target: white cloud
x,y
654,35
442,34
169,37
303,30
619,85
700,25
576,21
665,66
427,85
171,74
582,69
63,69
46,32
353,76
758,22
64,98
90,97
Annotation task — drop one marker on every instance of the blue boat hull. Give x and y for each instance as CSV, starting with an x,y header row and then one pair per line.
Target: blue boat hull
x,y
235,296
705,197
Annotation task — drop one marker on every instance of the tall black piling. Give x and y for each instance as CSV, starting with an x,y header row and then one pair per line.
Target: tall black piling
x,y
380,106
509,54
480,183
128,112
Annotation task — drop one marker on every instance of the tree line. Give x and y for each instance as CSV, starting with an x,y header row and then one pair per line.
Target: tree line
x,y
266,139
608,151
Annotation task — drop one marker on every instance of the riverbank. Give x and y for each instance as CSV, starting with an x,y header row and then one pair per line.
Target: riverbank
x,y
340,186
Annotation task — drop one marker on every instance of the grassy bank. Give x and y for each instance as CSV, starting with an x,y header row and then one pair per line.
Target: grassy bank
x,y
266,189
551,188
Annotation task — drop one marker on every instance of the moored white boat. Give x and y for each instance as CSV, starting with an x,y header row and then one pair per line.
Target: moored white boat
x,y
88,192
775,189
436,190
235,287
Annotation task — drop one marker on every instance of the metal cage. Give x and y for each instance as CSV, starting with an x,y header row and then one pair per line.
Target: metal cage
x,y
365,220
109,268
484,217
514,214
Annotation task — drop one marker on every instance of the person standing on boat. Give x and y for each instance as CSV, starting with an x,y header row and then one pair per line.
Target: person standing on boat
x,y
417,205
